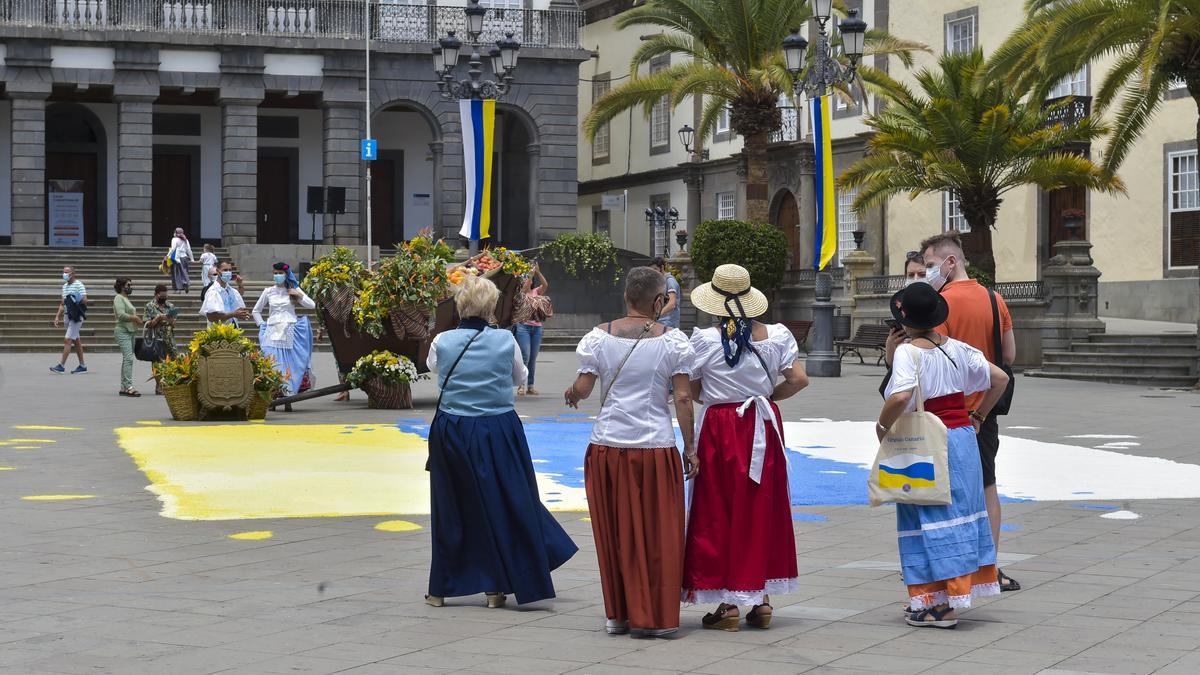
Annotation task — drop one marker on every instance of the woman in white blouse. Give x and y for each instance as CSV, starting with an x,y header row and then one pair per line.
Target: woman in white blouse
x,y
632,470
180,255
740,542
283,335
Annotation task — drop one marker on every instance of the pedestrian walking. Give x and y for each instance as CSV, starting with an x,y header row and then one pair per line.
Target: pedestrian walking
x,y
670,312
529,333
124,332
741,548
222,302
180,255
283,335
947,555
208,260
632,470
491,534
980,318
73,306
159,316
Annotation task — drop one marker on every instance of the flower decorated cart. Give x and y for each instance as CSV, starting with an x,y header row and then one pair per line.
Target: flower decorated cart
x,y
222,375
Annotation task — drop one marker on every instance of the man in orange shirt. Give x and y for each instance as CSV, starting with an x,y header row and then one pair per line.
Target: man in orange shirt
x,y
971,322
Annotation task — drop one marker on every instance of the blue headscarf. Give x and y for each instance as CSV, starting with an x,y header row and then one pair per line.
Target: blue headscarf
x,y
737,334
291,281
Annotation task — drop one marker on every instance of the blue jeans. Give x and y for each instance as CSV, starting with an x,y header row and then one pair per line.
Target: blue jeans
x,y
529,339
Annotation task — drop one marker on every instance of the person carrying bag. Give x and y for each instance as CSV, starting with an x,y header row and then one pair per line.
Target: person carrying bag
x,y
912,465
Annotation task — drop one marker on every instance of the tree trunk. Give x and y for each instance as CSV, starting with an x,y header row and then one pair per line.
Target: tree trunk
x,y
758,204
977,245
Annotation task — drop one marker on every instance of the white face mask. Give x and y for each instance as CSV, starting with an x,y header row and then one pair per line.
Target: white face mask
x,y
916,280
934,276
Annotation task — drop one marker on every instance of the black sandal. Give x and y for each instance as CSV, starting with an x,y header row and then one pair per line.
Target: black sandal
x,y
720,619
1007,583
758,619
920,618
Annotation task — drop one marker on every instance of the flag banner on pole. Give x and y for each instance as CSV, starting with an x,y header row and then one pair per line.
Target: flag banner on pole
x,y
825,244
478,126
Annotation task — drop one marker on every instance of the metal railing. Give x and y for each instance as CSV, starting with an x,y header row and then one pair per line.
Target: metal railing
x,y
1021,290
808,276
391,20
1009,290
789,129
879,285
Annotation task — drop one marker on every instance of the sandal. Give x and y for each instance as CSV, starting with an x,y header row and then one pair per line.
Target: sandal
x,y
520,391
931,618
1007,583
129,392
720,619
495,600
434,601
759,619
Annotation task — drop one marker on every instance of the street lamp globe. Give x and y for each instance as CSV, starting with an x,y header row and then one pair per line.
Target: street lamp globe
x,y
439,61
450,47
686,135
474,19
854,34
508,51
497,62
822,9
795,47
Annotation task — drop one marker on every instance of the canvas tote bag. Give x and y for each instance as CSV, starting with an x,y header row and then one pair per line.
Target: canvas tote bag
x,y
912,465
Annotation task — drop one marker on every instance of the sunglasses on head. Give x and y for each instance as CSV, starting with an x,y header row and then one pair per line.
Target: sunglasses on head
x,y
912,255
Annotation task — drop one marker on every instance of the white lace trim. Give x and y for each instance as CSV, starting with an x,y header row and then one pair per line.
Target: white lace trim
x,y
955,601
740,598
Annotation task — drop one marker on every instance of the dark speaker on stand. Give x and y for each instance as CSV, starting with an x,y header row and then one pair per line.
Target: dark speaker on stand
x,y
316,199
336,201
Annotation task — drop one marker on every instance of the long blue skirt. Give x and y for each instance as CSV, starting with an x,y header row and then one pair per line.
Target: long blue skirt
x,y
294,362
491,532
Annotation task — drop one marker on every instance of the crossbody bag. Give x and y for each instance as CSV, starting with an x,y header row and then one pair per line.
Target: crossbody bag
x,y
446,382
1005,402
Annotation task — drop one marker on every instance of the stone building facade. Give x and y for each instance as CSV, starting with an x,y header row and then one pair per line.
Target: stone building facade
x,y
217,116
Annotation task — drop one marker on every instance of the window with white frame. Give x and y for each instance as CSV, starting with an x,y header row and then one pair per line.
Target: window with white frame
x,y
1177,83
659,235
960,34
1183,190
1074,84
952,217
726,206
660,114
601,141
847,222
723,121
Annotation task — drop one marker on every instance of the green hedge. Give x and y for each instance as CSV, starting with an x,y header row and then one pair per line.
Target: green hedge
x,y
761,248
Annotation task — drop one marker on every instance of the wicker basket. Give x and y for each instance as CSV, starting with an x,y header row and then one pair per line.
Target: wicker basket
x,y
181,401
257,409
387,395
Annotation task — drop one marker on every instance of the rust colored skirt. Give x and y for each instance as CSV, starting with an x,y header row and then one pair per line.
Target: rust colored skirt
x,y
635,497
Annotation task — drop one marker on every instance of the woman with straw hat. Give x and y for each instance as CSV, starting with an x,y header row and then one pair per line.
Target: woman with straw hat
x,y
947,556
740,544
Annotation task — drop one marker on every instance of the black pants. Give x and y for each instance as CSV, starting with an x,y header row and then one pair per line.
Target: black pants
x,y
989,445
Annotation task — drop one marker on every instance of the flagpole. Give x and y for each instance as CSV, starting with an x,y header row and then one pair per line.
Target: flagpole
x,y
367,113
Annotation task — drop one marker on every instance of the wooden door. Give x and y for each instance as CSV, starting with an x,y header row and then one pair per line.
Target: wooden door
x,y
76,166
384,205
171,198
274,190
1056,202
788,220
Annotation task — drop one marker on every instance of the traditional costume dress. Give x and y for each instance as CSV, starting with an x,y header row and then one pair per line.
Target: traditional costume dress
x,y
491,532
284,335
946,552
633,475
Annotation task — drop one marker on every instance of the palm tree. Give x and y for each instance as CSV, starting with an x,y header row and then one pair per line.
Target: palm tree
x,y
732,55
974,137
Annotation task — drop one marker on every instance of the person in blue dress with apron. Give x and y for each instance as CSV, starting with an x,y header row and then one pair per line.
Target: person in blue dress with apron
x,y
491,533
284,335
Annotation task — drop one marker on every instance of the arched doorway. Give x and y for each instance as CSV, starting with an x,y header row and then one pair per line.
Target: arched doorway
x,y
403,194
75,160
787,218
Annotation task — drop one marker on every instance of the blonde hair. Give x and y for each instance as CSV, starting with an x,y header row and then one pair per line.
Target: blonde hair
x,y
476,297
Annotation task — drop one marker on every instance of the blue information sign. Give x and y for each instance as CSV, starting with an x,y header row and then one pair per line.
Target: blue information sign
x,y
370,149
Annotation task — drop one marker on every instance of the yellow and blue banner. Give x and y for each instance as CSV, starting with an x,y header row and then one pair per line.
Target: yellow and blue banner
x,y
478,141
825,244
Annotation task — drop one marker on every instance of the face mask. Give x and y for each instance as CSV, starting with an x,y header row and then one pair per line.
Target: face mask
x,y
917,280
280,278
129,290
226,276
161,301
934,276
66,277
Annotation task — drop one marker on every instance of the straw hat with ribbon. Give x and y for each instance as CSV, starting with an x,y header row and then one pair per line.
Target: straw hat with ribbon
x,y
730,294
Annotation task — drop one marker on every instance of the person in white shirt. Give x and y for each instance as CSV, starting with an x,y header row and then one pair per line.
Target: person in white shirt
x,y
632,471
283,335
208,260
222,303
72,305
180,255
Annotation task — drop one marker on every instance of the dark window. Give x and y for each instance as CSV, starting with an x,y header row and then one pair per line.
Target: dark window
x,y
278,127
601,221
177,124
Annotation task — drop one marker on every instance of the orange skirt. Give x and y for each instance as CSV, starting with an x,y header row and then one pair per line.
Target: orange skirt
x,y
957,592
635,497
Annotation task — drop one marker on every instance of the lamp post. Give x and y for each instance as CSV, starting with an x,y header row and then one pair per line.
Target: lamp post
x,y
502,58
824,71
667,219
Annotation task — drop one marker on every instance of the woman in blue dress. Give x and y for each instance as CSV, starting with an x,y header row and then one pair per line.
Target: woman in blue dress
x,y
491,533
284,335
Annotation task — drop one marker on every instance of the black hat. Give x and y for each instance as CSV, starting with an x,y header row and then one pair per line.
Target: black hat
x,y
920,306
281,267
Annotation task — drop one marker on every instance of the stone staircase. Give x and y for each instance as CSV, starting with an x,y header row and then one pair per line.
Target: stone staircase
x,y
1152,360
31,283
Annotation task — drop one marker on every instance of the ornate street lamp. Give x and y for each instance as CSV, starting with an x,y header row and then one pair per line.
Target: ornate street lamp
x,y
666,219
503,58
824,71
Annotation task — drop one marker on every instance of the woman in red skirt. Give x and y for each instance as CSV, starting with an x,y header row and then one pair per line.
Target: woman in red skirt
x,y
740,545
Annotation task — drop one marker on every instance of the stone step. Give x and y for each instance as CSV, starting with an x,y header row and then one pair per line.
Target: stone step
x,y
1125,357
1119,348
1164,381
1172,339
1069,363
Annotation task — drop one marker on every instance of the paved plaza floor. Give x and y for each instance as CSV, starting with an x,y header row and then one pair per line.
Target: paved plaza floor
x,y
102,575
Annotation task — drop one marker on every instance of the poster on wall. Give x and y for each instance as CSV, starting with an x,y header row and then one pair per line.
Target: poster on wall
x,y
65,212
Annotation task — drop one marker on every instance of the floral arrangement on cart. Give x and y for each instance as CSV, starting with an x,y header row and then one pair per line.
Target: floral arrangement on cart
x,y
223,374
386,377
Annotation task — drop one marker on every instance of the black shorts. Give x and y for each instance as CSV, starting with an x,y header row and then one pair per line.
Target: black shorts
x,y
989,445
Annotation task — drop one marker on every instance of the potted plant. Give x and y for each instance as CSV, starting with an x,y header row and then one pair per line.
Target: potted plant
x,y
268,383
386,377
1073,222
177,375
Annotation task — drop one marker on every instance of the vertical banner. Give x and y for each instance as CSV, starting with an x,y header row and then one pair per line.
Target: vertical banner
x,y
478,124
825,244
64,209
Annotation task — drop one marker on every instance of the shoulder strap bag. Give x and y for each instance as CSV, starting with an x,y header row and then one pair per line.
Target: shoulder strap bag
x,y
446,382
1005,402
912,465
613,379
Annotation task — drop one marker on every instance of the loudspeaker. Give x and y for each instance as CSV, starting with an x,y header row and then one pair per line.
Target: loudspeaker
x,y
316,199
336,200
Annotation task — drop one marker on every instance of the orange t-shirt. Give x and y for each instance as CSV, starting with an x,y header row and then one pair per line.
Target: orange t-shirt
x,y
970,321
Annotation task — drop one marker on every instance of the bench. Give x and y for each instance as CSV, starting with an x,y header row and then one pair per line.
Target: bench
x,y
799,331
868,336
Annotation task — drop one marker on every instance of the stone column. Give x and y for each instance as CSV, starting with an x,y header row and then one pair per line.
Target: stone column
x,y
135,170
343,129
28,181
1071,283
239,171
859,263
436,149
694,180
535,182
